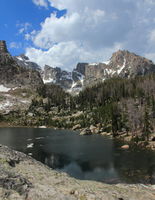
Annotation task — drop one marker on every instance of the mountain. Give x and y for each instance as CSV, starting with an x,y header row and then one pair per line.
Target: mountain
x,y
20,71
12,74
24,61
57,76
70,81
122,64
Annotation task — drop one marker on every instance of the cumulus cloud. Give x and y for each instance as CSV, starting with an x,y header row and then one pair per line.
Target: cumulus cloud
x,y
67,54
91,30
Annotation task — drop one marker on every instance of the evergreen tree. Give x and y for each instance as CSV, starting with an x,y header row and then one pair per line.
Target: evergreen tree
x,y
147,129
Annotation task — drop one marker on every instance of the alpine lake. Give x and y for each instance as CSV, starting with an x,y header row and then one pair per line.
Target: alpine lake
x,y
92,157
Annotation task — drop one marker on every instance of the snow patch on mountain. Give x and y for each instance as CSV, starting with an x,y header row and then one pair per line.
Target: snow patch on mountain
x,y
106,62
93,63
4,89
121,68
50,80
67,76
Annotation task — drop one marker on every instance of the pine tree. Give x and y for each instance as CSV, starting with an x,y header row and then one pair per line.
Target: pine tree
x,y
147,129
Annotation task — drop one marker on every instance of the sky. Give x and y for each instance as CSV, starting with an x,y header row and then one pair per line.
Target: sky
x,y
61,33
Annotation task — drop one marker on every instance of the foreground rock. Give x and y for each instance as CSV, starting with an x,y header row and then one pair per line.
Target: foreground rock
x,y
23,178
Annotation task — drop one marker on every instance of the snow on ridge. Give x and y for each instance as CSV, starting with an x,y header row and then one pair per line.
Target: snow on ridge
x,y
109,71
73,85
93,63
50,80
20,58
121,68
106,62
4,89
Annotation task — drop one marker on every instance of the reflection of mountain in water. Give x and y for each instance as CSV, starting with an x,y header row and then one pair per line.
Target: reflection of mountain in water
x,y
82,169
57,161
93,157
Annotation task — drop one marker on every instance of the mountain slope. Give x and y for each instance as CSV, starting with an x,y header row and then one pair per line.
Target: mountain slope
x,y
13,75
24,61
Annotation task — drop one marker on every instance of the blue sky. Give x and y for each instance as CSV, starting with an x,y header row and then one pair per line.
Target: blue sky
x,y
64,32
13,16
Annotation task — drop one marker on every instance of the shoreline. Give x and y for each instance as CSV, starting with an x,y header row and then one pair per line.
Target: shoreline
x,y
126,139
24,178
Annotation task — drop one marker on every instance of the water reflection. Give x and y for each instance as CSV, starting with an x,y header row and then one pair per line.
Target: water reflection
x,y
92,157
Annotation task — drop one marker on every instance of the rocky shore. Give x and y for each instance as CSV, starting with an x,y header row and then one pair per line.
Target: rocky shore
x,y
23,178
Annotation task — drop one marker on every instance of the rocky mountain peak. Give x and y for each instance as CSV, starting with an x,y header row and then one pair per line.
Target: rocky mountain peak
x,y
127,64
24,61
13,74
120,56
3,47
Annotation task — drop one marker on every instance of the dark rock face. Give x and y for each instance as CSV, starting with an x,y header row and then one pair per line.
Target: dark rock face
x,y
81,68
3,47
14,75
24,61
57,76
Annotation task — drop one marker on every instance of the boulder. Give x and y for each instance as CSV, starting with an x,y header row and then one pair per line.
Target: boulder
x,y
77,126
104,133
126,146
92,128
86,131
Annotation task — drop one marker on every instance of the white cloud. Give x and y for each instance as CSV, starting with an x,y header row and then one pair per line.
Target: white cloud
x,y
91,30
23,27
43,3
15,45
67,54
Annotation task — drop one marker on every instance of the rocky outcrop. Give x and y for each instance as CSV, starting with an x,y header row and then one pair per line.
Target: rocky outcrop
x,y
14,75
3,47
57,76
24,61
81,68
23,178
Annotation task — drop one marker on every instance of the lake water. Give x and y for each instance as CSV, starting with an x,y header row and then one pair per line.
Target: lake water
x,y
84,157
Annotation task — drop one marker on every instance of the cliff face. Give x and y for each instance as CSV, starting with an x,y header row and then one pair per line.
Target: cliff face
x,y
14,75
